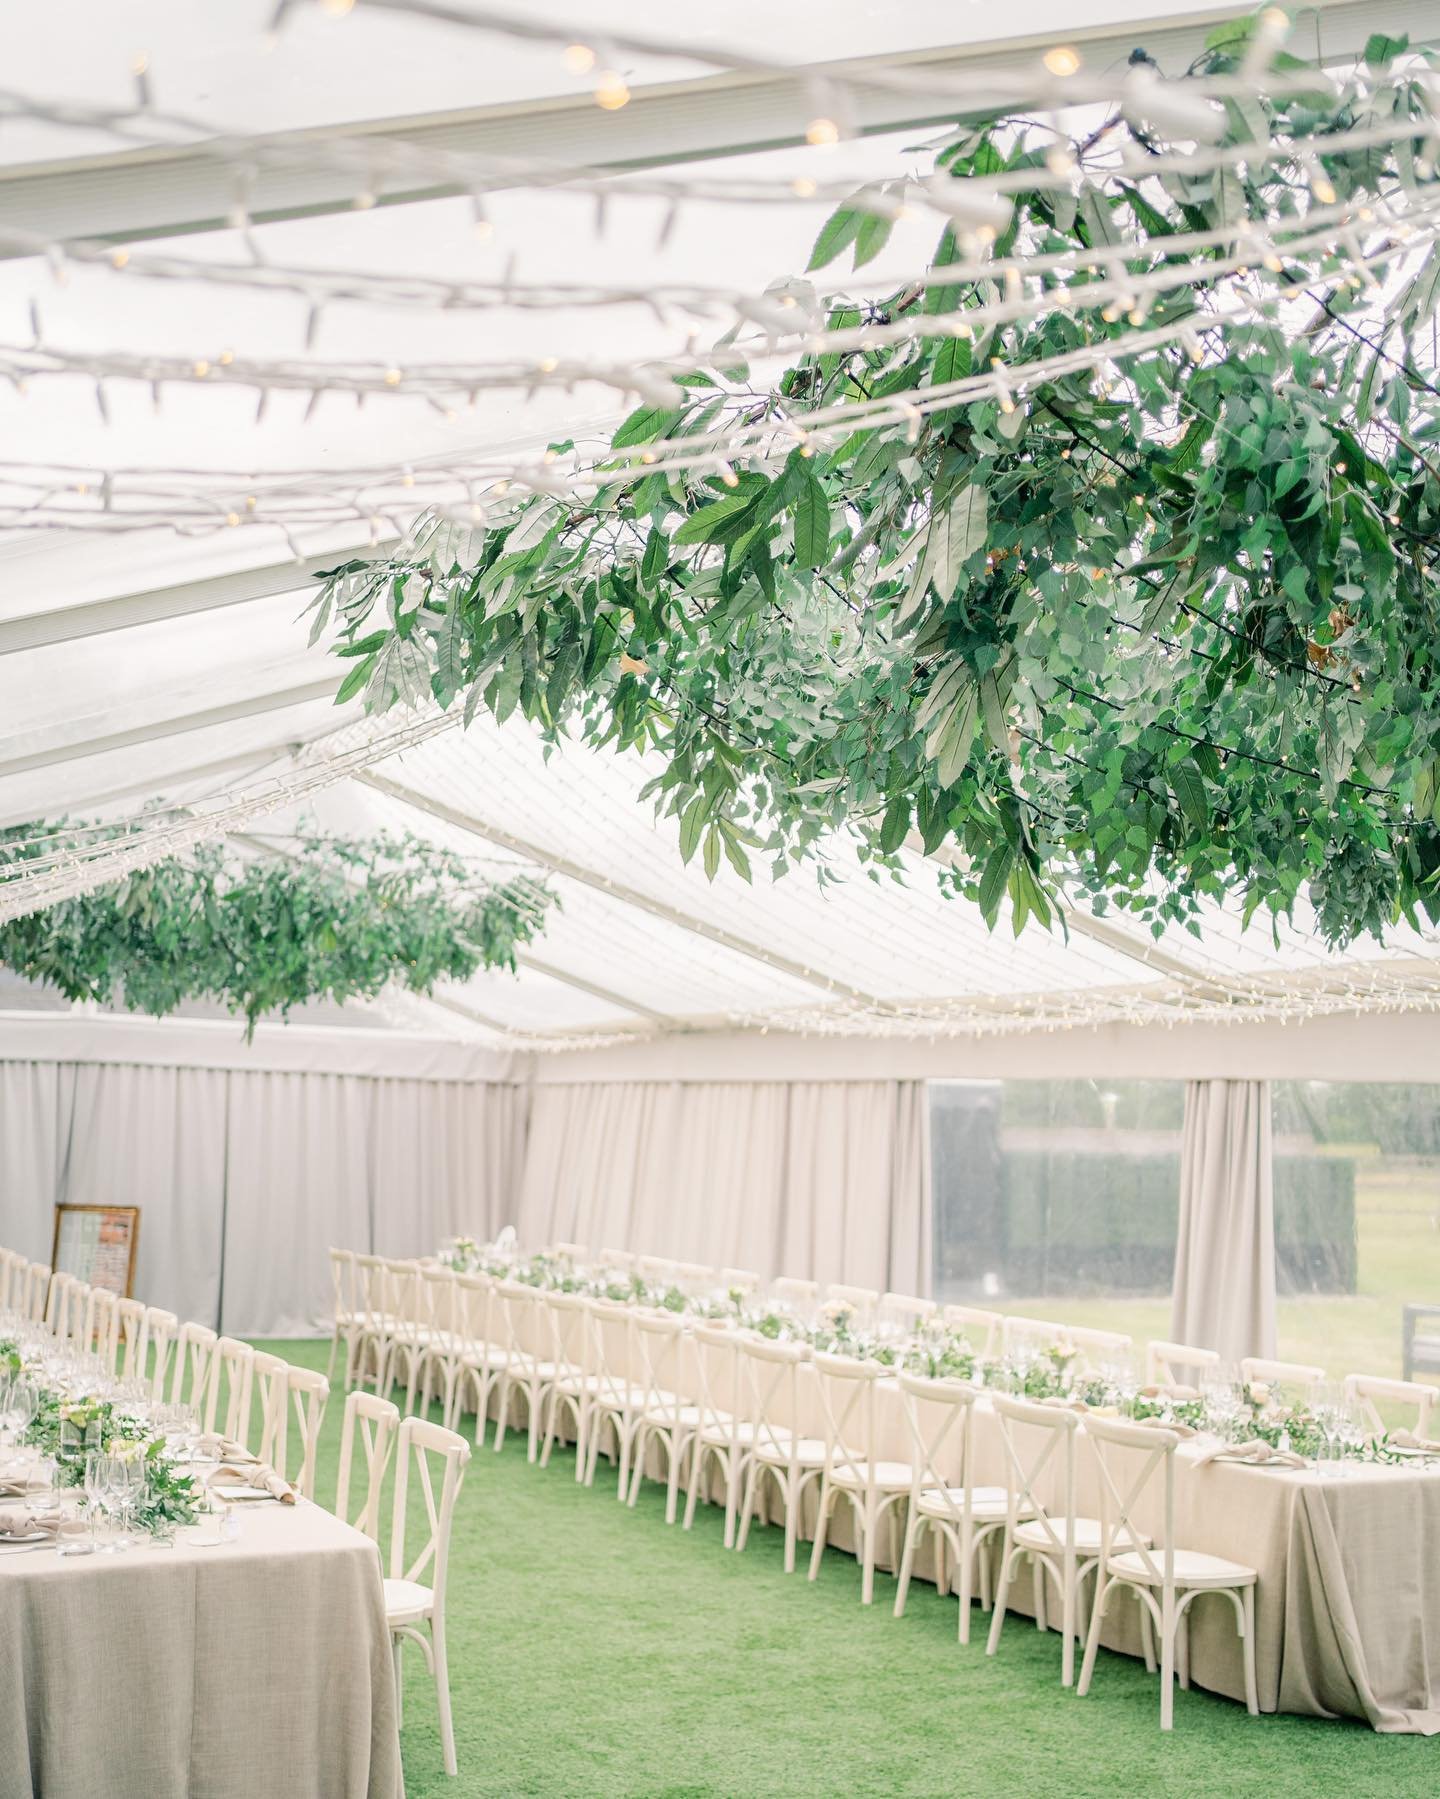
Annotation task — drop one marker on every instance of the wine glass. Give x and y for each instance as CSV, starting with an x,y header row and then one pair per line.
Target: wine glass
x,y
97,1493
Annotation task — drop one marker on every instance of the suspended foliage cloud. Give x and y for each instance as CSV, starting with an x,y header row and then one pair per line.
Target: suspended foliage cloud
x,y
1146,635
332,918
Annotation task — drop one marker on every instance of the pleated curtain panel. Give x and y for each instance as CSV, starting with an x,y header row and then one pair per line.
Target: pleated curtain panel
x,y
824,1180
1225,1252
827,1180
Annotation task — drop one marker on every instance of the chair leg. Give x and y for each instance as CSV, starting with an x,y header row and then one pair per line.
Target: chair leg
x,y
1037,1575
1252,1697
1182,1649
672,1477
692,1495
396,1645
869,1517
334,1351
532,1422
907,1560
502,1411
747,1508
552,1406
1067,1623
967,1575
1092,1637
998,1619
822,1525
1167,1662
1147,1634
442,1695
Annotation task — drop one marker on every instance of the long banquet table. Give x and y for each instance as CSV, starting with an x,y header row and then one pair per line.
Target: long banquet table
x,y
1348,1600
255,1668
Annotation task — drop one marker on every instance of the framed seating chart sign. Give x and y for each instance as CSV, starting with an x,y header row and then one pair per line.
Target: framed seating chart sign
x,y
97,1244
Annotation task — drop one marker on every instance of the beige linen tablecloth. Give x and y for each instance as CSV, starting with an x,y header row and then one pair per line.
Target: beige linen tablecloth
x,y
259,1668
1347,1609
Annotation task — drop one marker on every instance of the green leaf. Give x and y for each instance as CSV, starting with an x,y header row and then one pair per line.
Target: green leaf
x,y
895,826
646,425
993,882
840,229
712,853
952,362
1189,790
711,522
812,525
692,823
871,238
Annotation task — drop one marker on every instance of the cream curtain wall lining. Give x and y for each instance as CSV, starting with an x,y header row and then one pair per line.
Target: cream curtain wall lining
x,y
822,1179
244,1179
1225,1251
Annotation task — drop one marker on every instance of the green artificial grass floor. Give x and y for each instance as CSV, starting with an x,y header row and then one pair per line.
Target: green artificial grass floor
x,y
596,1653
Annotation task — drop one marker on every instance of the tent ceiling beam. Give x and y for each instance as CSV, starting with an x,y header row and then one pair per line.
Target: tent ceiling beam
x,y
132,195
276,700
68,624
574,871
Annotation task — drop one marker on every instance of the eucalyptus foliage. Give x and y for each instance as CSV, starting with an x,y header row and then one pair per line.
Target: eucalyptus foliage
x,y
335,918
1146,640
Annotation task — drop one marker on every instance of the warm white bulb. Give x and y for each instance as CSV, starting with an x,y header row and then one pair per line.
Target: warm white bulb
x,y
1063,60
611,93
822,132
579,59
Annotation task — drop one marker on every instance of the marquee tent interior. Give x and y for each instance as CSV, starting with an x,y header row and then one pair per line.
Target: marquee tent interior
x,y
840,1075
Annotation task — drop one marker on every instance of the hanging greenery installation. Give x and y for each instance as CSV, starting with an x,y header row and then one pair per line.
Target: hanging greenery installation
x,y
328,918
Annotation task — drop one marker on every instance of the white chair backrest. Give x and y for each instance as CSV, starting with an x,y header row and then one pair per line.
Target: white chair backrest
x,y
718,1387
623,1259
1030,1333
904,1310
695,1277
160,1328
401,1283
861,1301
1371,1390
772,1391
130,1331
568,1317
100,1326
982,1330
1128,1457
195,1358
370,1293
939,1414
76,1313
376,1422
1173,1364
475,1322
1039,1445
439,1308
9,1268
737,1280
659,1337
1299,1378
575,1253
522,1324
285,1390
39,1273
342,1283
847,1393
418,1441
1099,1349
235,1362
804,1296
613,1347
57,1300
656,1271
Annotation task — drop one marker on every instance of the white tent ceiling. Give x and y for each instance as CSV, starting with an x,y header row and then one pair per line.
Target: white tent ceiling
x,y
142,666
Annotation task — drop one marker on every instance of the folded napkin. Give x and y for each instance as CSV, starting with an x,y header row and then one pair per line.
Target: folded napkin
x,y
16,1522
16,1486
1179,1430
1258,1454
254,1474
1407,1439
223,1449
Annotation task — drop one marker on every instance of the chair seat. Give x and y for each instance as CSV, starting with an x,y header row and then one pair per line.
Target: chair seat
x,y
986,1503
1088,1536
892,1476
406,1602
1193,1568
615,1396
485,1355
680,1417
724,1429
809,1452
